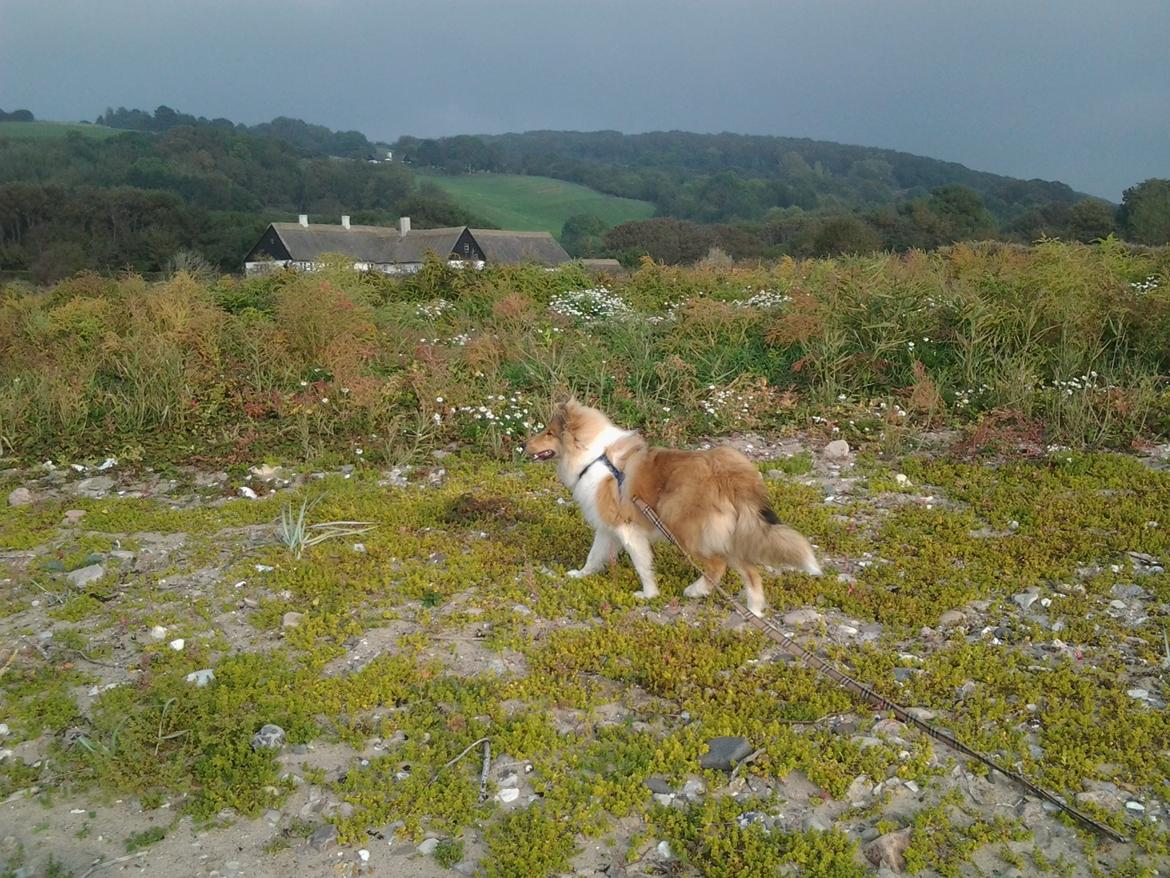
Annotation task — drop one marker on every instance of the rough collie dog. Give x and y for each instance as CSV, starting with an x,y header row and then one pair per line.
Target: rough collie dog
x,y
713,501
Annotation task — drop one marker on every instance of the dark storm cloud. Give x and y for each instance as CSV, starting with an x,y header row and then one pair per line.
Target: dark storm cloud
x,y
1077,91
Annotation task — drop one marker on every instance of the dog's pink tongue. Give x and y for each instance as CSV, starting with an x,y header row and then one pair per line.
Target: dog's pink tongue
x,y
543,455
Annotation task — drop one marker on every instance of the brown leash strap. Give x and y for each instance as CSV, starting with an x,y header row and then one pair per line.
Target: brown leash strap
x,y
866,694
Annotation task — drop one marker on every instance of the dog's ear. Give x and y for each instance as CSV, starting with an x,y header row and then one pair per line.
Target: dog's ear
x,y
565,403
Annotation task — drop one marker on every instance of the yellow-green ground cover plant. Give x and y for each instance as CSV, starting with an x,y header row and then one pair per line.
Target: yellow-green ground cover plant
x,y
1006,406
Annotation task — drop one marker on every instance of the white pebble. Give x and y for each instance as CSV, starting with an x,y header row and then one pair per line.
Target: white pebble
x,y
177,644
158,632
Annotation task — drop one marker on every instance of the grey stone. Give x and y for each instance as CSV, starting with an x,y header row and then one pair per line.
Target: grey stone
x,y
836,451
951,617
323,836
94,486
428,846
664,799
724,752
752,818
21,497
291,619
888,850
201,677
798,618
693,789
73,516
270,737
83,576
816,823
659,785
1026,599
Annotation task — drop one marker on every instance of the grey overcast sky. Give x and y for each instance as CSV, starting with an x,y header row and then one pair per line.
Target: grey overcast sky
x,y
1071,90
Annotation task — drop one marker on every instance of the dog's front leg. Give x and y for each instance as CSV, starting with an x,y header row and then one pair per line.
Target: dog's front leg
x,y
638,547
604,546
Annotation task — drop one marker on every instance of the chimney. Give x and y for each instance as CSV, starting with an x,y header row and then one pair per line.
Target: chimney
x,y
303,219
345,221
403,225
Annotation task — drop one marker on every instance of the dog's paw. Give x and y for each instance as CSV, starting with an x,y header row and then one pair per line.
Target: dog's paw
x,y
697,589
577,574
756,609
644,595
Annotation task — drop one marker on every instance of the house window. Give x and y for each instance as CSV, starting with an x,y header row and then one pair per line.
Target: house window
x,y
466,249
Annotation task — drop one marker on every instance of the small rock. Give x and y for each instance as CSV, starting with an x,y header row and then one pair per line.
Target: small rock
x,y
1139,694
270,737
359,548
83,576
245,491
323,836
659,785
1116,604
816,823
664,851
266,472
1135,806
664,799
724,752
177,644
888,850
201,677
859,791
902,480
291,619
1101,798
73,516
951,617
693,789
1026,599
508,794
21,497
95,486
751,818
836,451
799,618
364,855
428,846
158,632
4,730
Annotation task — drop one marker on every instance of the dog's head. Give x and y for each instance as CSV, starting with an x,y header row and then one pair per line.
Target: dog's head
x,y
549,442
570,426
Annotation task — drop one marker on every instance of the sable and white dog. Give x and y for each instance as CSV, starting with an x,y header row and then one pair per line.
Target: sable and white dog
x,y
714,502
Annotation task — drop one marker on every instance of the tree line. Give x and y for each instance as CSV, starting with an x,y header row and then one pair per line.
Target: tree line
x,y
949,214
313,140
68,204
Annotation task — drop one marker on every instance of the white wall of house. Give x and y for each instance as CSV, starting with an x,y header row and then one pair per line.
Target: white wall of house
x,y
258,269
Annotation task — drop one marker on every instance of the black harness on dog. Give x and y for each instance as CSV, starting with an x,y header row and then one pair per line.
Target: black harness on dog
x,y
617,474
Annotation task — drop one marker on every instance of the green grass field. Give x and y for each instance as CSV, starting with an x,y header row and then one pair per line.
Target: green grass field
x,y
513,201
53,130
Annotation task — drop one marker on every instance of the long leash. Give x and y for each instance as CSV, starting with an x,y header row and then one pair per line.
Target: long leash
x,y
869,695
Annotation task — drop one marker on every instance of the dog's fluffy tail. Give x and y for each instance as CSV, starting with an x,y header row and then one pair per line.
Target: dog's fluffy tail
x,y
760,538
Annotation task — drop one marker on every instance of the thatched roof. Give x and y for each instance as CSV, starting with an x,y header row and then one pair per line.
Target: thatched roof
x,y
510,248
387,245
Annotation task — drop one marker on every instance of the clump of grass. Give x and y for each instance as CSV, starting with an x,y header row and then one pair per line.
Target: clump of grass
x,y
449,852
139,840
296,534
